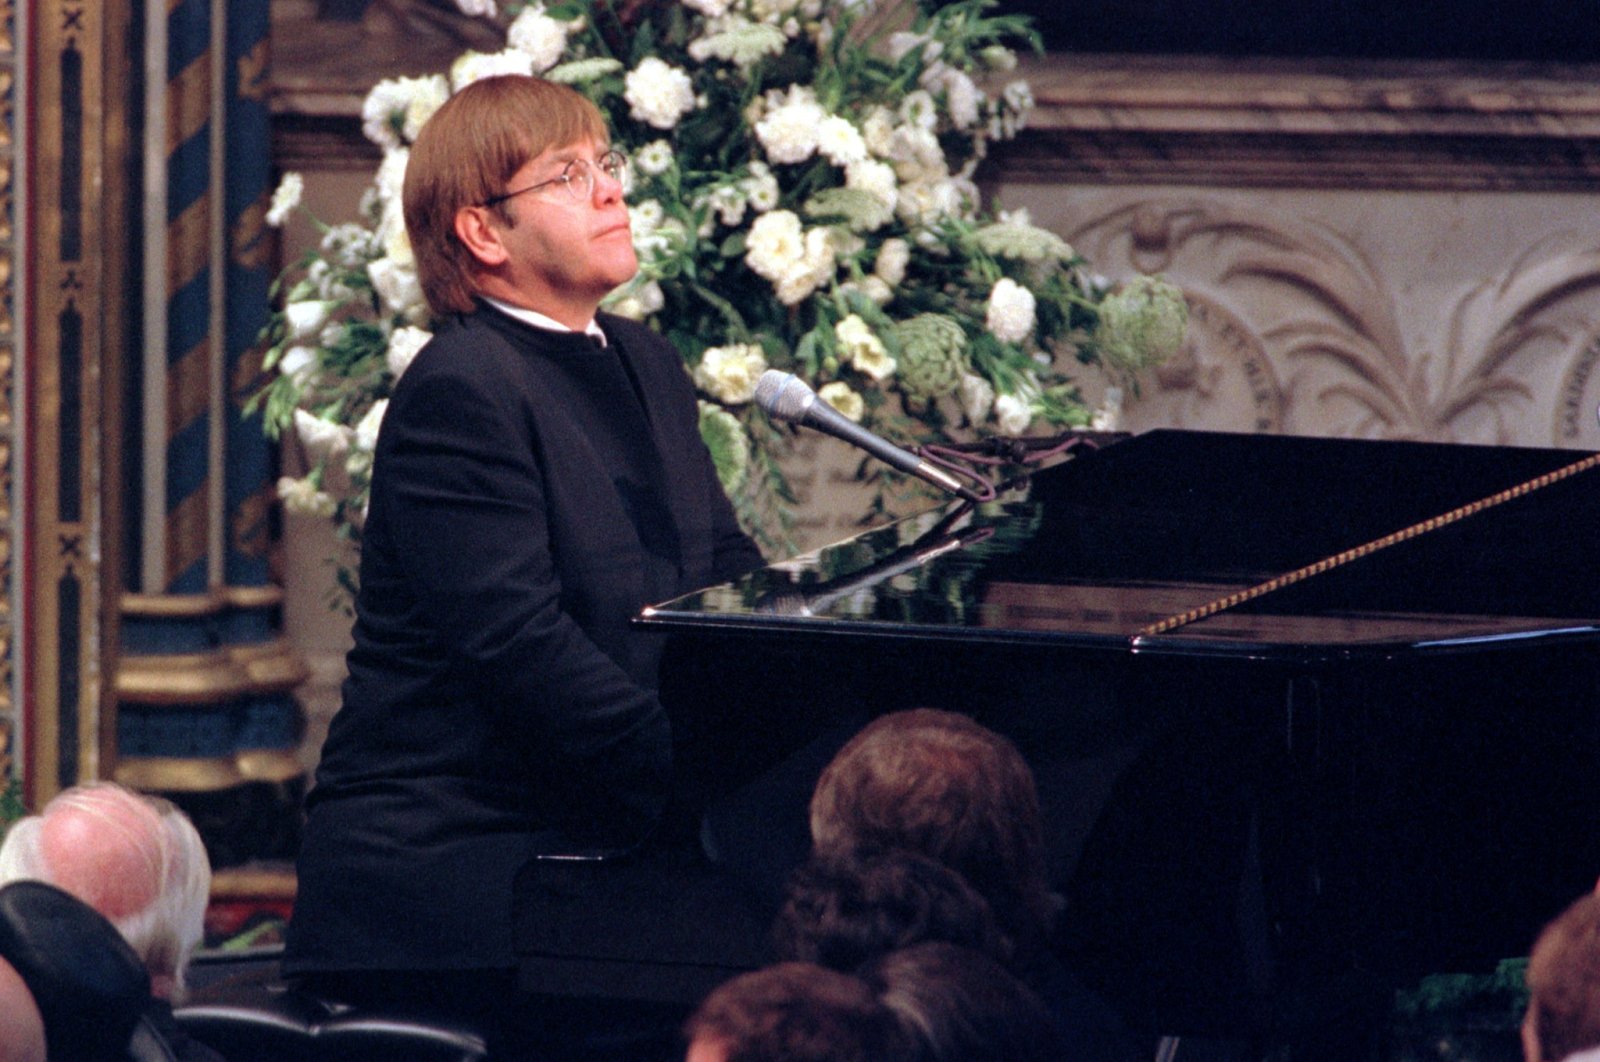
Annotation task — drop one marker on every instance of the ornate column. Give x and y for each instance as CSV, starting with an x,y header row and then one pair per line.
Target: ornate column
x,y
206,712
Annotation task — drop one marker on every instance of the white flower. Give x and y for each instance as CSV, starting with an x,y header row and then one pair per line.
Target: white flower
x,y
285,198
962,99
789,129
1010,311
775,244
893,257
861,347
925,202
305,319
391,175
1013,414
847,402
817,265
321,438
383,111
729,202
475,66
540,36
477,8
876,178
840,141
761,188
654,159
428,95
977,397
366,433
708,8
404,342
395,281
877,131
658,94
919,110
729,373
299,363
738,41
349,245
302,497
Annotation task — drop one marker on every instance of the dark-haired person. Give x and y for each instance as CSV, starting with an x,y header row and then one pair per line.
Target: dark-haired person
x,y
538,478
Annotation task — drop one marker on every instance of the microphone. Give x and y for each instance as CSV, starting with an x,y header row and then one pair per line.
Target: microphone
x,y
785,396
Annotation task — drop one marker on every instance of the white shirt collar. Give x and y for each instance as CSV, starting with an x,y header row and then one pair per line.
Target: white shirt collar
x,y
539,320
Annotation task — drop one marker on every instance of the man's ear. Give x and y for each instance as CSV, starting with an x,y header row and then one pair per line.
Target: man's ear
x,y
479,235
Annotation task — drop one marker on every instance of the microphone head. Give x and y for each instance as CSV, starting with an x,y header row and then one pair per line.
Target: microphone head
x,y
783,395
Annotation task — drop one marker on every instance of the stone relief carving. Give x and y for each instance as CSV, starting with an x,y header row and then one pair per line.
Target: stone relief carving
x,y
1294,329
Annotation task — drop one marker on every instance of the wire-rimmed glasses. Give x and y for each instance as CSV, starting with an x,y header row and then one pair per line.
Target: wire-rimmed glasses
x,y
578,177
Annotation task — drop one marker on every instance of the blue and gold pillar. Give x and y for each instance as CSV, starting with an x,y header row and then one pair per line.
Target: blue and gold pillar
x,y
206,714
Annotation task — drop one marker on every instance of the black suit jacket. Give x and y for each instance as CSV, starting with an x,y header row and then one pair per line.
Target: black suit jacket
x,y
531,492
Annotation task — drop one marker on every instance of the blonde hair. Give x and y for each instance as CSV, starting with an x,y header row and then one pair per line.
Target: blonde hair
x,y
464,156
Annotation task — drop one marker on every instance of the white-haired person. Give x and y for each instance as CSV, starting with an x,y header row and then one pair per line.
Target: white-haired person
x,y
136,859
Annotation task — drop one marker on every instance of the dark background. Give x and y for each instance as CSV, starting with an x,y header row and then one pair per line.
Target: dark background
x,y
1561,30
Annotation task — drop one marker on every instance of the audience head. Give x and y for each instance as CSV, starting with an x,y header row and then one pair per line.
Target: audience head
x,y
1563,1016
21,1024
464,156
136,859
794,1012
939,783
958,1005
842,910
87,987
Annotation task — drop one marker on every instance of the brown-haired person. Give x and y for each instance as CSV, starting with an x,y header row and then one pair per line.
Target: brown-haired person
x,y
941,784
795,1012
1563,1019
538,478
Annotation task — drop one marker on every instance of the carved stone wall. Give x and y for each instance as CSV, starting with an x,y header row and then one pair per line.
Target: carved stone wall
x,y
1374,250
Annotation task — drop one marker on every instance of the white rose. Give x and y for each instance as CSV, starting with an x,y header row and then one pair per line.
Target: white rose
x,y
1013,414
658,93
428,95
729,373
875,178
404,342
775,244
840,142
540,36
845,401
285,198
1010,312
475,66
817,266
788,132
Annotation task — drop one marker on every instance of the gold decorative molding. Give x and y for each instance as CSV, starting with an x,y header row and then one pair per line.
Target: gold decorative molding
x,y
1308,123
174,774
223,674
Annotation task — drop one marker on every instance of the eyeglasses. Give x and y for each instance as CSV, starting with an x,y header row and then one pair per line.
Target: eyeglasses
x,y
578,177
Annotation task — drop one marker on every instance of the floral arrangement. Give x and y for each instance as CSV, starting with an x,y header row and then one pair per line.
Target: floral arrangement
x,y
803,199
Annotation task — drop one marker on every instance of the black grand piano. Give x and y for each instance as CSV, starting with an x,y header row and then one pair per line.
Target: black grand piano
x,y
1298,738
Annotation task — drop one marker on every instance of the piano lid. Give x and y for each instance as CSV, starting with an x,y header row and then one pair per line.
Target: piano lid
x,y
1199,542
